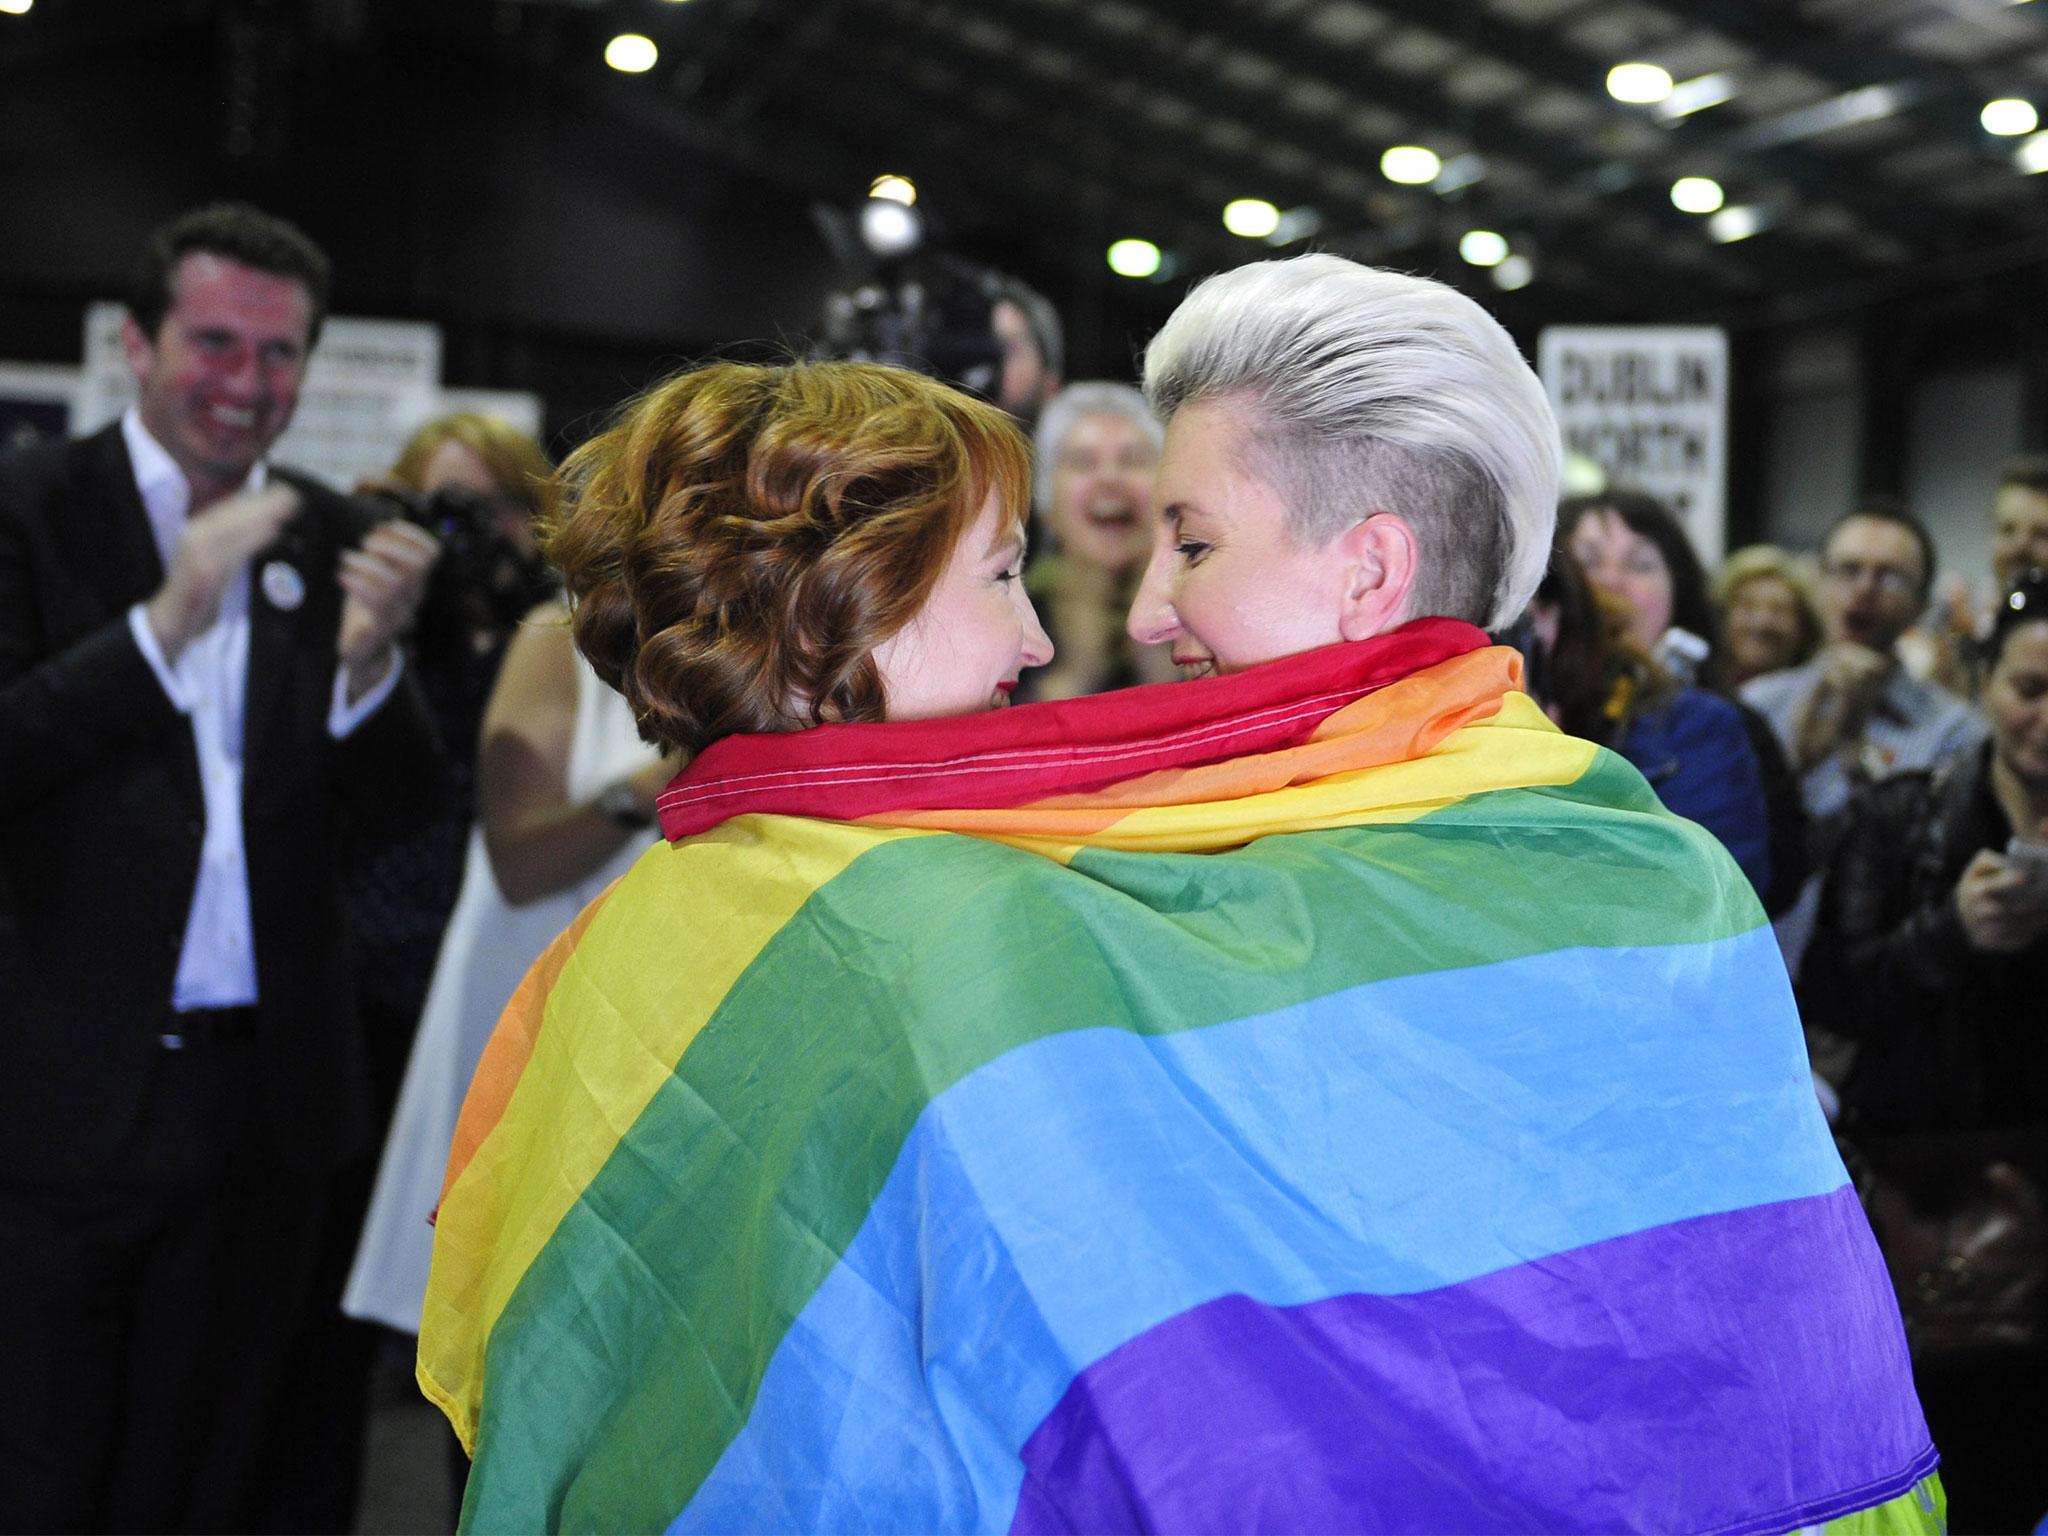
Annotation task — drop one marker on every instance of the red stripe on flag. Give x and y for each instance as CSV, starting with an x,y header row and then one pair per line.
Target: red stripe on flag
x,y
1012,757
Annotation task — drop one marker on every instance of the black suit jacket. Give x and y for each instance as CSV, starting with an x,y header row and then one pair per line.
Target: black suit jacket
x,y
101,821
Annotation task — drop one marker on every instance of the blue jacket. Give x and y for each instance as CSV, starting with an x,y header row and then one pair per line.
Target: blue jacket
x,y
1696,755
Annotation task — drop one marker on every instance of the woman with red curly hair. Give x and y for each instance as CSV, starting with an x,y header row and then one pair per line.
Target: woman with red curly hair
x,y
750,553
763,549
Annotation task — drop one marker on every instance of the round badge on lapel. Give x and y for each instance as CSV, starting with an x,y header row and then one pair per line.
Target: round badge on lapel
x,y
283,585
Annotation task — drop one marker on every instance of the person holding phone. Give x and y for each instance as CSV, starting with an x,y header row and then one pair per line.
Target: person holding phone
x,y
1931,949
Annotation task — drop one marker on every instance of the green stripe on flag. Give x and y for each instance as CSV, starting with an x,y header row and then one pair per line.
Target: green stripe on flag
x,y
612,1392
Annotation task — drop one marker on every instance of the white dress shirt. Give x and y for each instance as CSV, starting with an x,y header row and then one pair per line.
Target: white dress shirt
x,y
208,683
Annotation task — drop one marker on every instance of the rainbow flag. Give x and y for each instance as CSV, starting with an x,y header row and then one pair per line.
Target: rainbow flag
x,y
1326,1098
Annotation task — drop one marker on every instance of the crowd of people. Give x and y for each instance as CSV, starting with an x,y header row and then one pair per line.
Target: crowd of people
x,y
1897,829
836,997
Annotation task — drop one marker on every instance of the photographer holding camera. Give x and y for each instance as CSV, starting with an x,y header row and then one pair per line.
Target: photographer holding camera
x,y
563,800
476,483
980,330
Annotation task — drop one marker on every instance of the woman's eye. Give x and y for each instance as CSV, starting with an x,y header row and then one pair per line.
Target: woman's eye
x,y
1190,550
1014,573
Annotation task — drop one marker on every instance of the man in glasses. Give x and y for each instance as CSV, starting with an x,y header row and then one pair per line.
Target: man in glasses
x,y
1853,714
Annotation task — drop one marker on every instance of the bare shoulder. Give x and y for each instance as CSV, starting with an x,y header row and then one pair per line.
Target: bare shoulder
x,y
539,671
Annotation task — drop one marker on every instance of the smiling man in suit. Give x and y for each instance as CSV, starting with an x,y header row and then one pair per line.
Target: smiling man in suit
x,y
200,685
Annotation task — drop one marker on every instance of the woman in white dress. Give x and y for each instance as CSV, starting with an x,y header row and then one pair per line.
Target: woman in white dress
x,y
565,803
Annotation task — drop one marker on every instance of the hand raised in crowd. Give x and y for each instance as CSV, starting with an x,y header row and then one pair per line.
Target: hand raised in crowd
x,y
1852,677
2003,906
215,546
382,581
1955,638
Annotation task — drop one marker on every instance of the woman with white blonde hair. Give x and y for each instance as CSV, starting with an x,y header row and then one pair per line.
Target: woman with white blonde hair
x,y
1360,463
1391,423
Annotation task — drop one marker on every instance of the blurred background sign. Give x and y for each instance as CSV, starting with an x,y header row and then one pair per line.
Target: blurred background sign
x,y
1649,405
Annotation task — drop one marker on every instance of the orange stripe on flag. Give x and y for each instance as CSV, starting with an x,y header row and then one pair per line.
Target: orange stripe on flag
x,y
511,1044
1401,722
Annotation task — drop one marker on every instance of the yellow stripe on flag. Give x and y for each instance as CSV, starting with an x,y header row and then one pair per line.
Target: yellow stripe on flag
x,y
1515,748
627,1004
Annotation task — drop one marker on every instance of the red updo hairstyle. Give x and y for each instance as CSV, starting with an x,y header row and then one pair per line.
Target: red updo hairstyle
x,y
739,542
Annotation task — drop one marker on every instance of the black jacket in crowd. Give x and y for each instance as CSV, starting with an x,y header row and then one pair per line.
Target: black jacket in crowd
x,y
101,821
1953,1041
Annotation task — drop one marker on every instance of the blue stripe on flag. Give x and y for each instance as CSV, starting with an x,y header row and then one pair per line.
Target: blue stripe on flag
x,y
1397,1137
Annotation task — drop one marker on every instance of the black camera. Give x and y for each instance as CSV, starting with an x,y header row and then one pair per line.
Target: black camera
x,y
462,520
934,314
483,582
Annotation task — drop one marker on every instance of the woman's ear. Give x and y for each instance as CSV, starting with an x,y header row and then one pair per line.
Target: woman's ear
x,y
1379,555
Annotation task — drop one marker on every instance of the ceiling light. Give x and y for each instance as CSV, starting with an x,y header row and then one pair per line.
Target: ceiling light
x,y
2031,157
1515,272
1134,258
1252,217
1696,95
1483,248
1639,84
1735,223
1411,165
631,54
1696,194
2009,117
891,188
1865,104
15,7
889,228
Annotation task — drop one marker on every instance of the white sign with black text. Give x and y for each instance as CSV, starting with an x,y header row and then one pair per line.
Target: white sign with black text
x,y
1648,404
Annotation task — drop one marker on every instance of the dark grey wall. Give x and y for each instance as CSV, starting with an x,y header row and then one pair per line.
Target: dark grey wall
x,y
563,249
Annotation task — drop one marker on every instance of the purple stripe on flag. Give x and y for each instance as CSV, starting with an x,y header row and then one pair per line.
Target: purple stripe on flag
x,y
1728,1373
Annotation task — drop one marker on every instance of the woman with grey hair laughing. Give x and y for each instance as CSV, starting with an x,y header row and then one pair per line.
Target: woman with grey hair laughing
x,y
1096,450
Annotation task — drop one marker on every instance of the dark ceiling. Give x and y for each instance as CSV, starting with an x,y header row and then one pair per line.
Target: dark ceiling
x,y
1040,130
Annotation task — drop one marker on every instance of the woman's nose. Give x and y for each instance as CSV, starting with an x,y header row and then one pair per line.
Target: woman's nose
x,y
1037,643
1152,620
